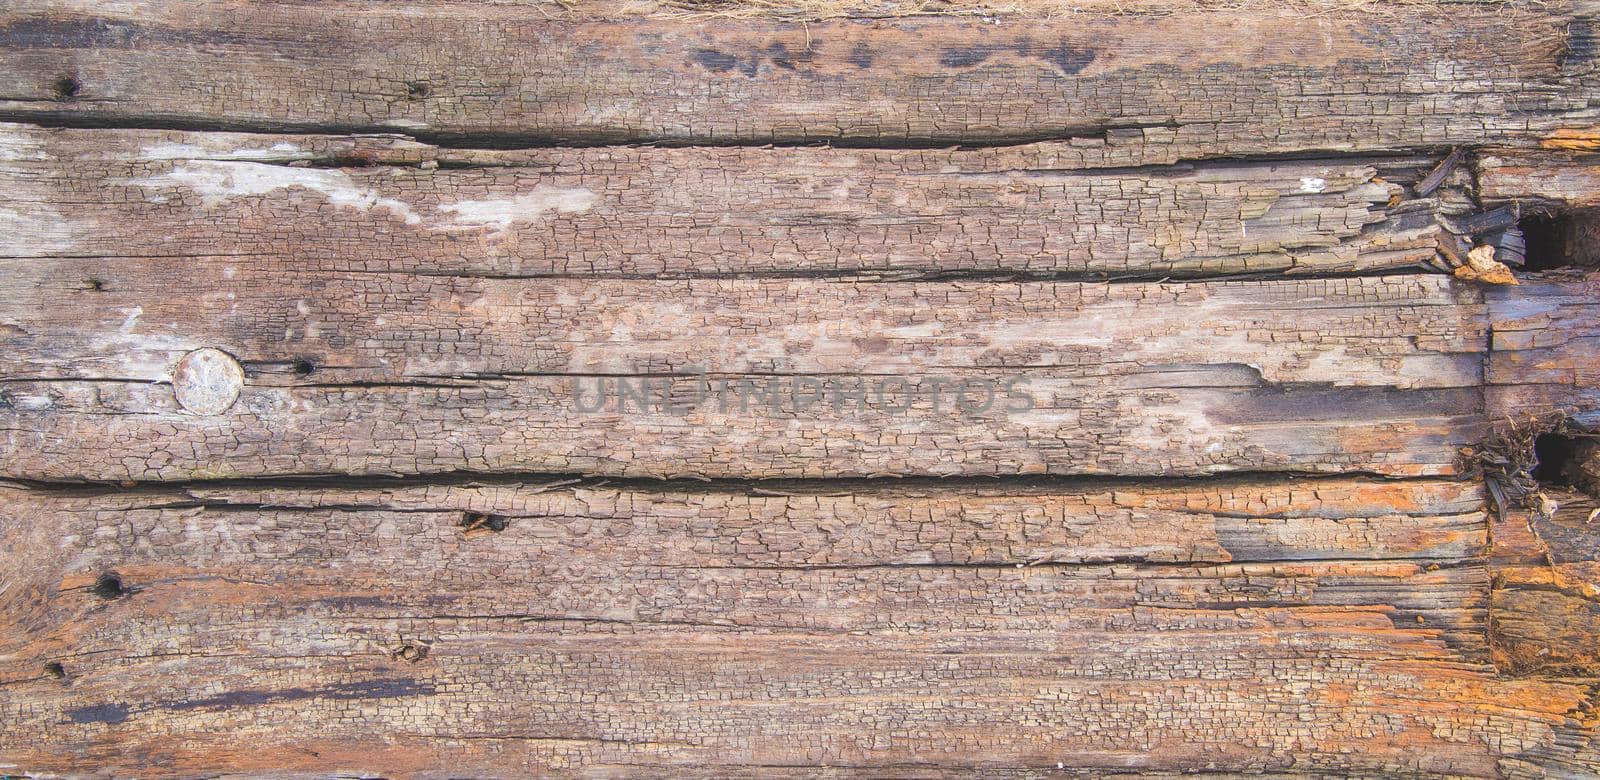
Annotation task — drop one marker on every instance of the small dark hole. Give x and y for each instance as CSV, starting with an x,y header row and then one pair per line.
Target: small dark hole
x,y
304,367
109,586
56,670
94,284
472,521
1555,458
66,88
417,90
1566,240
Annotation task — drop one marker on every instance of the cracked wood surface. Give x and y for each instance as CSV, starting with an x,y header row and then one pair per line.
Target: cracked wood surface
x,y
1177,86
414,374
318,202
1545,350
1040,199
417,374
1546,589
1563,176
707,630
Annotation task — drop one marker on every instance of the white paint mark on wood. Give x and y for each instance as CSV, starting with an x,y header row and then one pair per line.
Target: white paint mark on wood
x,y
27,225
18,143
184,151
504,212
219,181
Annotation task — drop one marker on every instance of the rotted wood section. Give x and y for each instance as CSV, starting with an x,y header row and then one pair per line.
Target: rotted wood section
x,y
1120,395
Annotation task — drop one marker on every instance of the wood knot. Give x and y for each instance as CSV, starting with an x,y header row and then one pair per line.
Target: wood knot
x,y
410,651
207,381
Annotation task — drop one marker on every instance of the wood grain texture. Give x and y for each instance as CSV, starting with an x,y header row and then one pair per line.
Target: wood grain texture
x,y
376,204
1546,594
708,630
1175,86
1543,357
302,303
1561,177
422,374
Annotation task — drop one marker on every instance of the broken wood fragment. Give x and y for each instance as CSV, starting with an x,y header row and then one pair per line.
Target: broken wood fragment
x,y
1442,171
1481,267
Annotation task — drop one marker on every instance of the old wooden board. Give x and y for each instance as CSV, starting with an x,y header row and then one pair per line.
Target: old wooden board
x,y
1032,210
1154,88
1131,627
463,389
411,374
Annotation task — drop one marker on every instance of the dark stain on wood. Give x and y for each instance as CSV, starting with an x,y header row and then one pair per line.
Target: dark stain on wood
x,y
716,61
1580,46
1069,58
860,56
1311,404
92,32
966,56
111,714
368,689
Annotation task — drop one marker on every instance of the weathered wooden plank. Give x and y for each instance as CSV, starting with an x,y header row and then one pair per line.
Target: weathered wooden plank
x,y
401,373
1546,596
1568,178
1133,379
119,195
1323,625
1142,89
1545,351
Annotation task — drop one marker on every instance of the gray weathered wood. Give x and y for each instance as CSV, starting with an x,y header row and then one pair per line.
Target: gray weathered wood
x,y
421,374
1029,210
1137,89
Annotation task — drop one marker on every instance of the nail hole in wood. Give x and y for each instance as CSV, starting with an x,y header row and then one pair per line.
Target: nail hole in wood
x,y
56,670
109,586
304,367
66,88
94,285
417,90
478,522
1563,240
